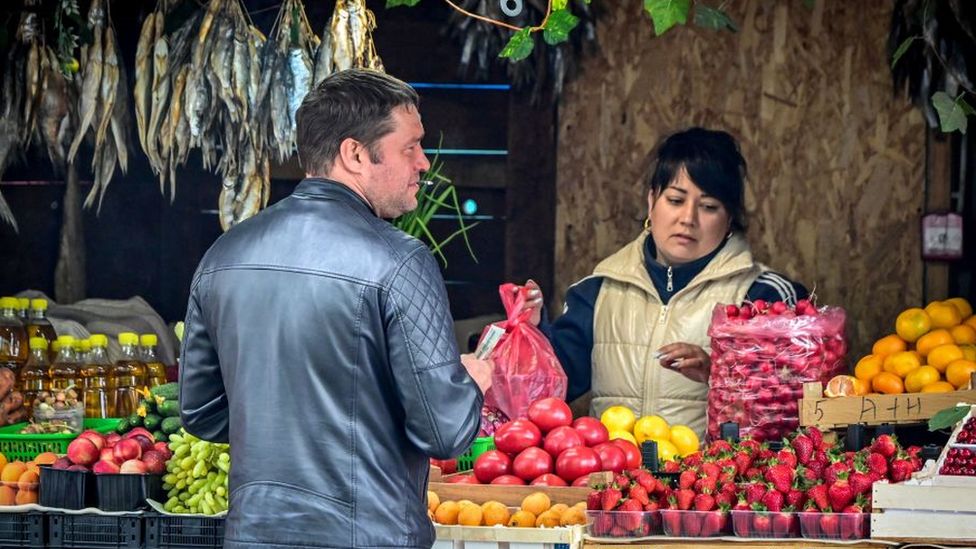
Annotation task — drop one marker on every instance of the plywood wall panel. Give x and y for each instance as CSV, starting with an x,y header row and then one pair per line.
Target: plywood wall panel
x,y
835,160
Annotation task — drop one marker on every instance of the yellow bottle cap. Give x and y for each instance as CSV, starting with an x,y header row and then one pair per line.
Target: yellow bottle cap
x,y
38,343
55,346
98,340
83,345
38,304
66,340
128,338
8,302
147,340
23,303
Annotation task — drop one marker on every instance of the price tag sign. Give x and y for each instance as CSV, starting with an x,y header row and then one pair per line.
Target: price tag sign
x,y
942,236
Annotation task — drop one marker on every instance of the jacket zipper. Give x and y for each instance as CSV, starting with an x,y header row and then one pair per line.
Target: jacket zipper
x,y
670,281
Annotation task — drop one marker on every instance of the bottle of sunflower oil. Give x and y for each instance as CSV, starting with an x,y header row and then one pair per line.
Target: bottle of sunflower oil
x,y
13,336
64,369
94,374
129,374
38,324
155,370
33,376
82,348
23,308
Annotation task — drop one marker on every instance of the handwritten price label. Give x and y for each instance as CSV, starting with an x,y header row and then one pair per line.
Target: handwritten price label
x,y
877,409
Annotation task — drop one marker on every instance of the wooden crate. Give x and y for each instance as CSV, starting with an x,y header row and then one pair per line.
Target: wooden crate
x,y
511,496
831,413
919,514
498,537
706,543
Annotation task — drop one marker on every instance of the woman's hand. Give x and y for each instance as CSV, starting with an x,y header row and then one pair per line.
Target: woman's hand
x,y
534,302
689,360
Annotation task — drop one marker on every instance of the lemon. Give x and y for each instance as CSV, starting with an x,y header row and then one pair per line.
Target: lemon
x,y
651,428
684,439
666,450
618,418
624,435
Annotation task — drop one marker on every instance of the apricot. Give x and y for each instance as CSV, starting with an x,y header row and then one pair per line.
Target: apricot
x,y
45,458
28,480
547,519
536,503
559,509
24,497
12,471
495,512
470,515
433,500
447,513
8,495
573,515
522,519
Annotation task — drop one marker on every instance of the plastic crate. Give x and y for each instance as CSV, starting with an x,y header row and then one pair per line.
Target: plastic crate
x,y
15,445
127,492
92,531
695,524
465,462
847,526
623,524
64,489
22,530
765,524
173,532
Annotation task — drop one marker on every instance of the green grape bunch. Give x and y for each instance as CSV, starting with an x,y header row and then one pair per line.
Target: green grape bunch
x,y
196,475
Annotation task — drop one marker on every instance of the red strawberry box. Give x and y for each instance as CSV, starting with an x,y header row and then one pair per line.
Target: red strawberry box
x,y
623,524
835,525
765,524
695,524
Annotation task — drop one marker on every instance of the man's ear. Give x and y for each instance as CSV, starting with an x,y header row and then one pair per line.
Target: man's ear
x,y
352,155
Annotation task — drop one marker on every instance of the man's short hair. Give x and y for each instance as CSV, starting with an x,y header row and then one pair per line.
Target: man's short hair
x,y
354,103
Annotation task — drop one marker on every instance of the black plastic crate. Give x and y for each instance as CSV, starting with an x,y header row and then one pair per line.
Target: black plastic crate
x,y
171,532
22,530
65,489
91,531
123,492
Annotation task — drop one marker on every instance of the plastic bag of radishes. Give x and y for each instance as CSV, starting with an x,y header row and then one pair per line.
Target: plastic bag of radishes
x,y
761,357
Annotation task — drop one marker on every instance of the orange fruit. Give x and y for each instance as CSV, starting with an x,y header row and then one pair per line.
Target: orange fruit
x,y
522,519
3,461
939,387
888,383
902,363
888,344
8,495
965,309
963,334
24,497
958,372
12,471
433,501
861,387
971,321
574,515
495,512
941,356
841,385
447,513
536,503
968,352
868,367
933,339
912,324
943,315
920,377
547,519
469,515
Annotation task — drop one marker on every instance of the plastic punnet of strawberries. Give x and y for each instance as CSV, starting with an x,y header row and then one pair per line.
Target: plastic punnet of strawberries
x,y
627,506
762,354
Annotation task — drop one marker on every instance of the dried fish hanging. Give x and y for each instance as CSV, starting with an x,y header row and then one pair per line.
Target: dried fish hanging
x,y
103,105
347,40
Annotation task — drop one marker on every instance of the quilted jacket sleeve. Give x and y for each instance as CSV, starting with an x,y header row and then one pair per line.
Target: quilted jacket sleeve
x,y
441,401
203,401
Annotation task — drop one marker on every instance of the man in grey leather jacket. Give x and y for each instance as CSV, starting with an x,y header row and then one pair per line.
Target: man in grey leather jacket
x,y
319,341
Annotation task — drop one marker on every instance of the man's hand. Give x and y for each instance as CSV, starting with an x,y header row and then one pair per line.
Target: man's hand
x,y
479,370
689,360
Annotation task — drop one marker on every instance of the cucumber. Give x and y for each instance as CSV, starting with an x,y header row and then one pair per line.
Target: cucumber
x,y
152,422
160,436
169,408
123,426
169,391
149,404
135,420
170,425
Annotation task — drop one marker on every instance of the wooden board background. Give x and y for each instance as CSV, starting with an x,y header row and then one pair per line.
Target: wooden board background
x,y
835,160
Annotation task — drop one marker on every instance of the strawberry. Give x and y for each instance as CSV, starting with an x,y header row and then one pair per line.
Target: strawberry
x,y
834,470
754,492
828,525
803,447
691,524
901,469
593,501
724,498
782,525
753,473
818,494
860,482
796,498
773,500
629,515
713,523
692,460
621,481
788,457
602,524
672,522
850,525
742,522
761,525
706,484
618,532
840,493
684,498
710,470
704,502
781,477
638,493
687,479
652,506
742,462
878,464
885,445
671,466
646,481
727,476
815,436
610,499
719,447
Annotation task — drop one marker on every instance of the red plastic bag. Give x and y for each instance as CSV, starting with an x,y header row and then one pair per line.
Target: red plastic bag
x,y
759,366
526,367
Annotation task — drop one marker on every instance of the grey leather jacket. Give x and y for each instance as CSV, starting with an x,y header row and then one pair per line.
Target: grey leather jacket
x,y
319,343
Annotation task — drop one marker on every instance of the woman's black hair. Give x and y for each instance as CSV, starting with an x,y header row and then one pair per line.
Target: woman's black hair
x,y
713,162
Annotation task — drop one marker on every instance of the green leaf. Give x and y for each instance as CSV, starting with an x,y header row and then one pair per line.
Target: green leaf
x,y
712,18
395,3
902,49
667,13
952,112
559,4
558,26
519,46
945,419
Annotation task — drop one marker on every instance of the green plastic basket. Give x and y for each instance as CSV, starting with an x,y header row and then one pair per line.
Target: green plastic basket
x,y
15,445
465,461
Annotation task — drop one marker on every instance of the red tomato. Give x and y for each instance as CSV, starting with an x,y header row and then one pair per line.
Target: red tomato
x,y
508,479
462,479
549,479
612,456
517,435
549,413
562,438
592,430
583,481
492,464
531,463
577,462
448,466
633,452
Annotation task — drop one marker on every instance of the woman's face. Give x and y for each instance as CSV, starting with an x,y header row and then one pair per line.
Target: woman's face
x,y
686,224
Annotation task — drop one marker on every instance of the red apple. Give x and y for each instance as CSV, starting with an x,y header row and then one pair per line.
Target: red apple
x,y
140,431
127,449
133,467
82,451
107,454
163,448
144,442
102,467
61,463
97,438
112,439
155,462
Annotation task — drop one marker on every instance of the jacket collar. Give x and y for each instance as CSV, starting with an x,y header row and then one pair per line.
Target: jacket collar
x,y
320,187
